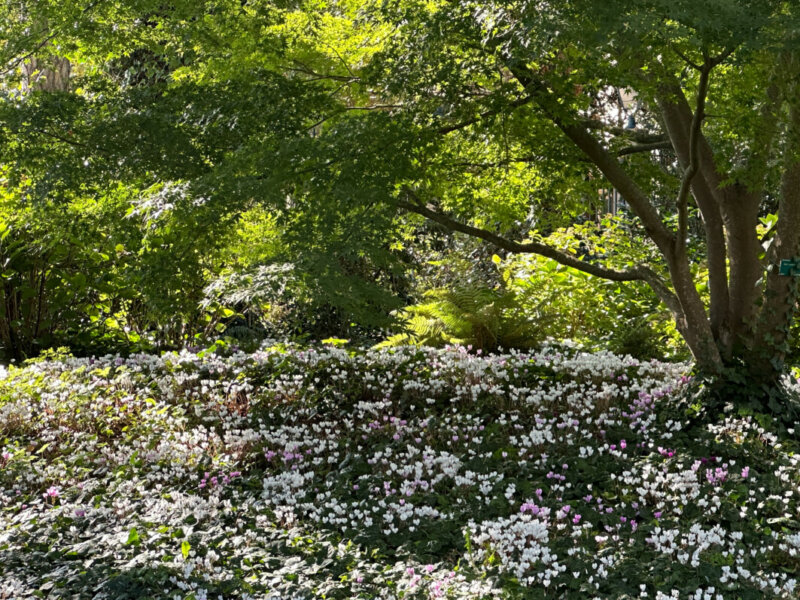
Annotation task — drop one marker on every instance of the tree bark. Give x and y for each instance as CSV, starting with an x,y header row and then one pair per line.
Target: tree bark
x,y
740,214
676,115
51,75
769,350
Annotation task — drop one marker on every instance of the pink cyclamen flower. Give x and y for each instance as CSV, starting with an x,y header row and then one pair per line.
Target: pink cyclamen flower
x,y
745,472
576,519
52,492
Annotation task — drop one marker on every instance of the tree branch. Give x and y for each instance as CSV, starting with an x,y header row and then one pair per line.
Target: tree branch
x,y
607,163
58,137
488,113
316,76
695,134
637,148
570,260
637,273
635,135
687,60
694,157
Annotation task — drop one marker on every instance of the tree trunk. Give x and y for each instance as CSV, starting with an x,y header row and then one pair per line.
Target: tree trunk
x,y
740,214
769,350
50,75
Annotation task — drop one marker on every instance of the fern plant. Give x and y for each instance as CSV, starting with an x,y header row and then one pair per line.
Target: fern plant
x,y
473,315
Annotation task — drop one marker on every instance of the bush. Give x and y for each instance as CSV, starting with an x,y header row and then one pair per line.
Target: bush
x,y
532,299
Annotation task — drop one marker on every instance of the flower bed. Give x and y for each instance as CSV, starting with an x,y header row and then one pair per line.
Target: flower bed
x,y
414,473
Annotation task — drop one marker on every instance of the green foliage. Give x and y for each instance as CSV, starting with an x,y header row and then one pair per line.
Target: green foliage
x,y
569,304
78,270
239,137
55,278
498,461
474,316
278,293
530,299
743,393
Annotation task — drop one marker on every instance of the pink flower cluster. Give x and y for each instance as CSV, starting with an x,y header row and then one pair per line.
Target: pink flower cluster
x,y
215,481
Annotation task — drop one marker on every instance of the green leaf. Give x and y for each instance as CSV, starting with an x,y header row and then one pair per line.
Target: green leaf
x,y
133,537
185,548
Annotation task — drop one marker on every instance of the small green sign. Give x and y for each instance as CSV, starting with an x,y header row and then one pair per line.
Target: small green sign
x,y
790,268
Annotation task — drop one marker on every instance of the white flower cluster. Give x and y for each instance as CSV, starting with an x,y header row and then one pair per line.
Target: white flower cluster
x,y
521,544
282,470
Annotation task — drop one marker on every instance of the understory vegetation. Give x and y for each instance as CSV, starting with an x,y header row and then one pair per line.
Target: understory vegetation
x,y
99,277
314,471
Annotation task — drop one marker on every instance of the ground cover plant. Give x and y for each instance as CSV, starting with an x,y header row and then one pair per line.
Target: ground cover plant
x,y
411,472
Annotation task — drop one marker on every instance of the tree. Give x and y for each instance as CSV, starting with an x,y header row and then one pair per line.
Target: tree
x,y
518,92
488,119
719,82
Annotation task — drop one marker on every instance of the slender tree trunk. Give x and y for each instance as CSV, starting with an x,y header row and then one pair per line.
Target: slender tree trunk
x,y
12,340
50,75
677,117
696,325
740,213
